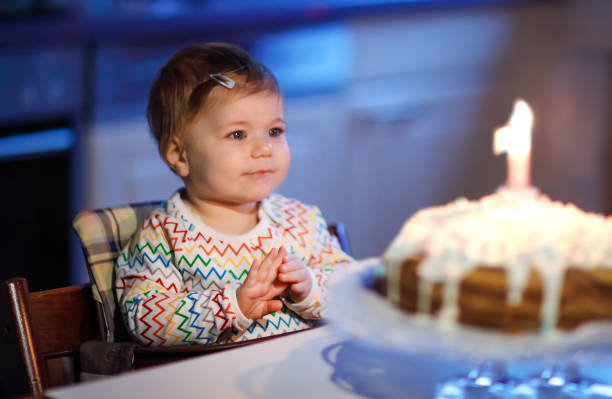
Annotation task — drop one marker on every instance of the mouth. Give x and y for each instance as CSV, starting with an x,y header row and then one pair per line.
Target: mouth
x,y
260,172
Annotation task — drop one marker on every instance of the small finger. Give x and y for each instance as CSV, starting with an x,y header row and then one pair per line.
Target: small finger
x,y
265,263
282,255
253,272
255,265
295,275
273,255
273,252
277,258
273,270
289,266
274,305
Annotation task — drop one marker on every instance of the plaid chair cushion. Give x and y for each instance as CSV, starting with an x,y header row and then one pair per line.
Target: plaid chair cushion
x,y
103,233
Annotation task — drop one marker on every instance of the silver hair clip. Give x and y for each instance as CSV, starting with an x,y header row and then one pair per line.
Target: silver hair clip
x,y
223,80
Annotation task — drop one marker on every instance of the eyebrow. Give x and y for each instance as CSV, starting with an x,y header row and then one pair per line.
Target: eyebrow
x,y
246,123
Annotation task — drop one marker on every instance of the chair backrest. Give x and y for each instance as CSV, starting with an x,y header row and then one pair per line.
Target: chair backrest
x,y
103,233
42,332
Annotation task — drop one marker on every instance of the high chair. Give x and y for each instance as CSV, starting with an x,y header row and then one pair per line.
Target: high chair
x,y
84,320
41,335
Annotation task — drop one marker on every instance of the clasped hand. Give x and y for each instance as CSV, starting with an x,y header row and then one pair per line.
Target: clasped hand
x,y
277,275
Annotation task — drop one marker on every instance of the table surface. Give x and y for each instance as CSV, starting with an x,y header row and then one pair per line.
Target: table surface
x,y
318,363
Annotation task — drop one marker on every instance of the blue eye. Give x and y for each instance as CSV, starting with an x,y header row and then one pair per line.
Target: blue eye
x,y
237,135
275,132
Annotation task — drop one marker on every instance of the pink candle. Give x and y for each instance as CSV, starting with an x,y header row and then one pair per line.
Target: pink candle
x,y
515,140
519,173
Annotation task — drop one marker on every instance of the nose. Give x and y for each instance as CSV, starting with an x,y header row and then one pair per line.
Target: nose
x,y
262,148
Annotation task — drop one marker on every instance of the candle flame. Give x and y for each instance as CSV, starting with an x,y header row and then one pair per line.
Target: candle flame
x,y
515,137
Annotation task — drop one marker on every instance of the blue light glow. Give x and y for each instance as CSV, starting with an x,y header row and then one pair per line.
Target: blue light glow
x,y
484,381
601,390
556,381
39,142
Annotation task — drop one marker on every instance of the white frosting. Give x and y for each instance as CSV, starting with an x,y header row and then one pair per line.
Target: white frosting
x,y
515,230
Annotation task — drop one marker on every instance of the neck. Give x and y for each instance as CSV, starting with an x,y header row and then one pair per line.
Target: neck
x,y
226,218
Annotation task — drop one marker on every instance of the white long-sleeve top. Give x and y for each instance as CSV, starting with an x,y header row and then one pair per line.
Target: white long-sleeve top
x,y
176,280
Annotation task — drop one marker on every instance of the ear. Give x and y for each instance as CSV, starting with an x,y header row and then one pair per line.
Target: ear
x,y
177,157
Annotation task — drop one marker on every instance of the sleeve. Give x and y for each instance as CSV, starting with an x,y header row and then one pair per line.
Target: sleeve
x,y
326,256
157,307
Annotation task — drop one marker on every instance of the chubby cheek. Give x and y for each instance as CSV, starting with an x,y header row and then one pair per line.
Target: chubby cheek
x,y
227,169
210,169
284,160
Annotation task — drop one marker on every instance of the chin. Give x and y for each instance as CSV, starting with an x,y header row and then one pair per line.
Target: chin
x,y
259,196
257,192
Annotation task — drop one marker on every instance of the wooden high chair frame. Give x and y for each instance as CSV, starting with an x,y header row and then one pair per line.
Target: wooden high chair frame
x,y
41,335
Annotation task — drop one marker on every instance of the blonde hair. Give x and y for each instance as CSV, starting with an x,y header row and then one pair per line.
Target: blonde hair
x,y
183,85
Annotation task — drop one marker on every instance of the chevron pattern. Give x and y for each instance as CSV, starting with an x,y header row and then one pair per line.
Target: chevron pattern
x,y
176,284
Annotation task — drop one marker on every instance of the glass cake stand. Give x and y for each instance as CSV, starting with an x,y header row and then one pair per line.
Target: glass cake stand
x,y
519,366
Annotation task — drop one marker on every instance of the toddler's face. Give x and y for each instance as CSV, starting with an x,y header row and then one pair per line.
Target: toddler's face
x,y
236,150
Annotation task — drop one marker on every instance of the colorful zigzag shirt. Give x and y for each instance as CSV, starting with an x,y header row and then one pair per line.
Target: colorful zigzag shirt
x,y
176,280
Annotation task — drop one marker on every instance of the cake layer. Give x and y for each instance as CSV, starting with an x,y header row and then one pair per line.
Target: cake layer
x,y
483,301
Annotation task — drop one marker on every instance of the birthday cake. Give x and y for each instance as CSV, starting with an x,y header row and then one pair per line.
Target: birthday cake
x,y
513,261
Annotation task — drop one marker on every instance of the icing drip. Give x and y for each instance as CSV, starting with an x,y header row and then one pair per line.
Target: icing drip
x,y
449,312
517,275
552,279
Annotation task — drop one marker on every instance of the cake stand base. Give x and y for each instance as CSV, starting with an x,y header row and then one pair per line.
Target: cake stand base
x,y
491,380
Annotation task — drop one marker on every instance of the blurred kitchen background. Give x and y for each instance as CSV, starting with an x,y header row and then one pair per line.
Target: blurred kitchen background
x,y
391,107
